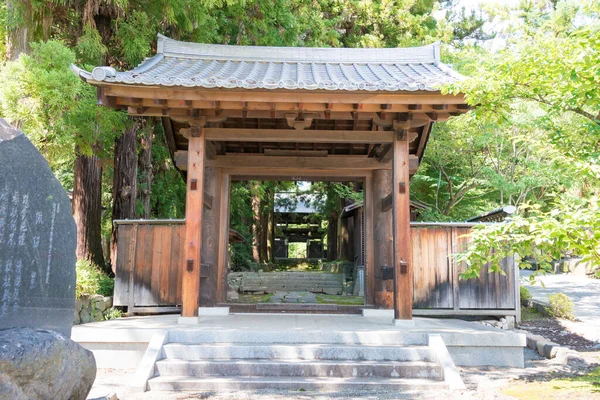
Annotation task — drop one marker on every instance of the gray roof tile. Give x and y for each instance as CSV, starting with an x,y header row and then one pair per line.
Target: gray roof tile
x,y
220,66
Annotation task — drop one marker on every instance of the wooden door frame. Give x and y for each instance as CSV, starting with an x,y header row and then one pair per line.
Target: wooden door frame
x,y
238,174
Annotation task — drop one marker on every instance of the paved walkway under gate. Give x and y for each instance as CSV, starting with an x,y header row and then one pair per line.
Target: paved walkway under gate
x,y
584,292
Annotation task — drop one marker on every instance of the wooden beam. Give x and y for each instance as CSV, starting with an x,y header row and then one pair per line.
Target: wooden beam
x,y
190,288
384,156
386,203
403,281
292,135
295,153
293,176
278,96
331,162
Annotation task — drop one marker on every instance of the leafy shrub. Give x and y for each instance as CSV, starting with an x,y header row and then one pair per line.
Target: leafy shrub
x,y
91,281
112,313
525,296
561,306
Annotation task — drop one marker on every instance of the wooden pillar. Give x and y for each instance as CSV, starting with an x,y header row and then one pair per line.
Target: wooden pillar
x,y
211,226
222,266
383,254
403,286
190,288
369,224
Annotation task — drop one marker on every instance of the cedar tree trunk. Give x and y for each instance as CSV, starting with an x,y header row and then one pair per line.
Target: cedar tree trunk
x,y
145,170
124,183
87,209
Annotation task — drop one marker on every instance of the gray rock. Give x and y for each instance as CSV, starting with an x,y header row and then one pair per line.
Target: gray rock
x,y
100,305
571,358
40,364
108,302
85,316
37,240
78,305
547,349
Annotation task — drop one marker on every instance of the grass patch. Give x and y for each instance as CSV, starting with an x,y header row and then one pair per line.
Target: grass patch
x,y
340,300
580,387
529,314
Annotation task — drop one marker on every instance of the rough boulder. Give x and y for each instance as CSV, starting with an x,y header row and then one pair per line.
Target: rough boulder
x,y
40,364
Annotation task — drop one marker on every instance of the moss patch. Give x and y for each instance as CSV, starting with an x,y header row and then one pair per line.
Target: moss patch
x,y
340,300
252,298
531,314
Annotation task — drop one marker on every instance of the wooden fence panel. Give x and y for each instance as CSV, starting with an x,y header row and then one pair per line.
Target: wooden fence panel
x,y
149,259
436,280
432,274
125,259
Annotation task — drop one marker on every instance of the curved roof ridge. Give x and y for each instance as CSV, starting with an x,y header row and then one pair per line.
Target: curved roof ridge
x,y
408,55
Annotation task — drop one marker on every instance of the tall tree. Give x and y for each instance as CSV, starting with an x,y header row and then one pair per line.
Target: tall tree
x,y
124,180
144,186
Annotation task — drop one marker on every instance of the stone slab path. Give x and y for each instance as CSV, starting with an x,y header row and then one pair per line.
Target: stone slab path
x,y
293,297
584,292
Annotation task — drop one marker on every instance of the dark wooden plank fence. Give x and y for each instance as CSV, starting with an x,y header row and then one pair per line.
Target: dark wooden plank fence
x,y
150,255
149,259
436,283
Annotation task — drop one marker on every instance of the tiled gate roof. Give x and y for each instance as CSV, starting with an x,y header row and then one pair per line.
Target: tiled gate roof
x,y
222,66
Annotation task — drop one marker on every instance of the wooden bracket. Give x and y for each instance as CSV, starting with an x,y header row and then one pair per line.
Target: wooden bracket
x,y
194,184
402,187
403,267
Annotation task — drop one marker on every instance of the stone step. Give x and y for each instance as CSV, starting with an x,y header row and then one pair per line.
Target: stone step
x,y
309,384
236,351
300,368
380,338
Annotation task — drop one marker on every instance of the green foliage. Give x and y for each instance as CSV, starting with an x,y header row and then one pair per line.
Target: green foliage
x,y
135,33
112,313
90,49
91,280
561,306
551,62
525,296
3,30
167,199
56,110
538,238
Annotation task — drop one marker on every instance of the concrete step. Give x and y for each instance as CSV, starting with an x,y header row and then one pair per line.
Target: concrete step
x,y
236,351
380,338
300,368
322,384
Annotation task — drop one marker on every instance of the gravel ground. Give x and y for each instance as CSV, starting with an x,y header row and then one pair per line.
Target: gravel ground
x,y
482,384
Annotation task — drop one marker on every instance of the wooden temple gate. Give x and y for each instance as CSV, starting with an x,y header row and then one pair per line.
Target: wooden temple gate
x,y
150,253
245,113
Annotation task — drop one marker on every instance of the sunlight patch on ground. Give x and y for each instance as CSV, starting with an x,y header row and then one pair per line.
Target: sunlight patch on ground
x,y
580,387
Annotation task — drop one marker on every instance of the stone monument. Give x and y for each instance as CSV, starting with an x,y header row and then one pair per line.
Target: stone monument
x,y
37,240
